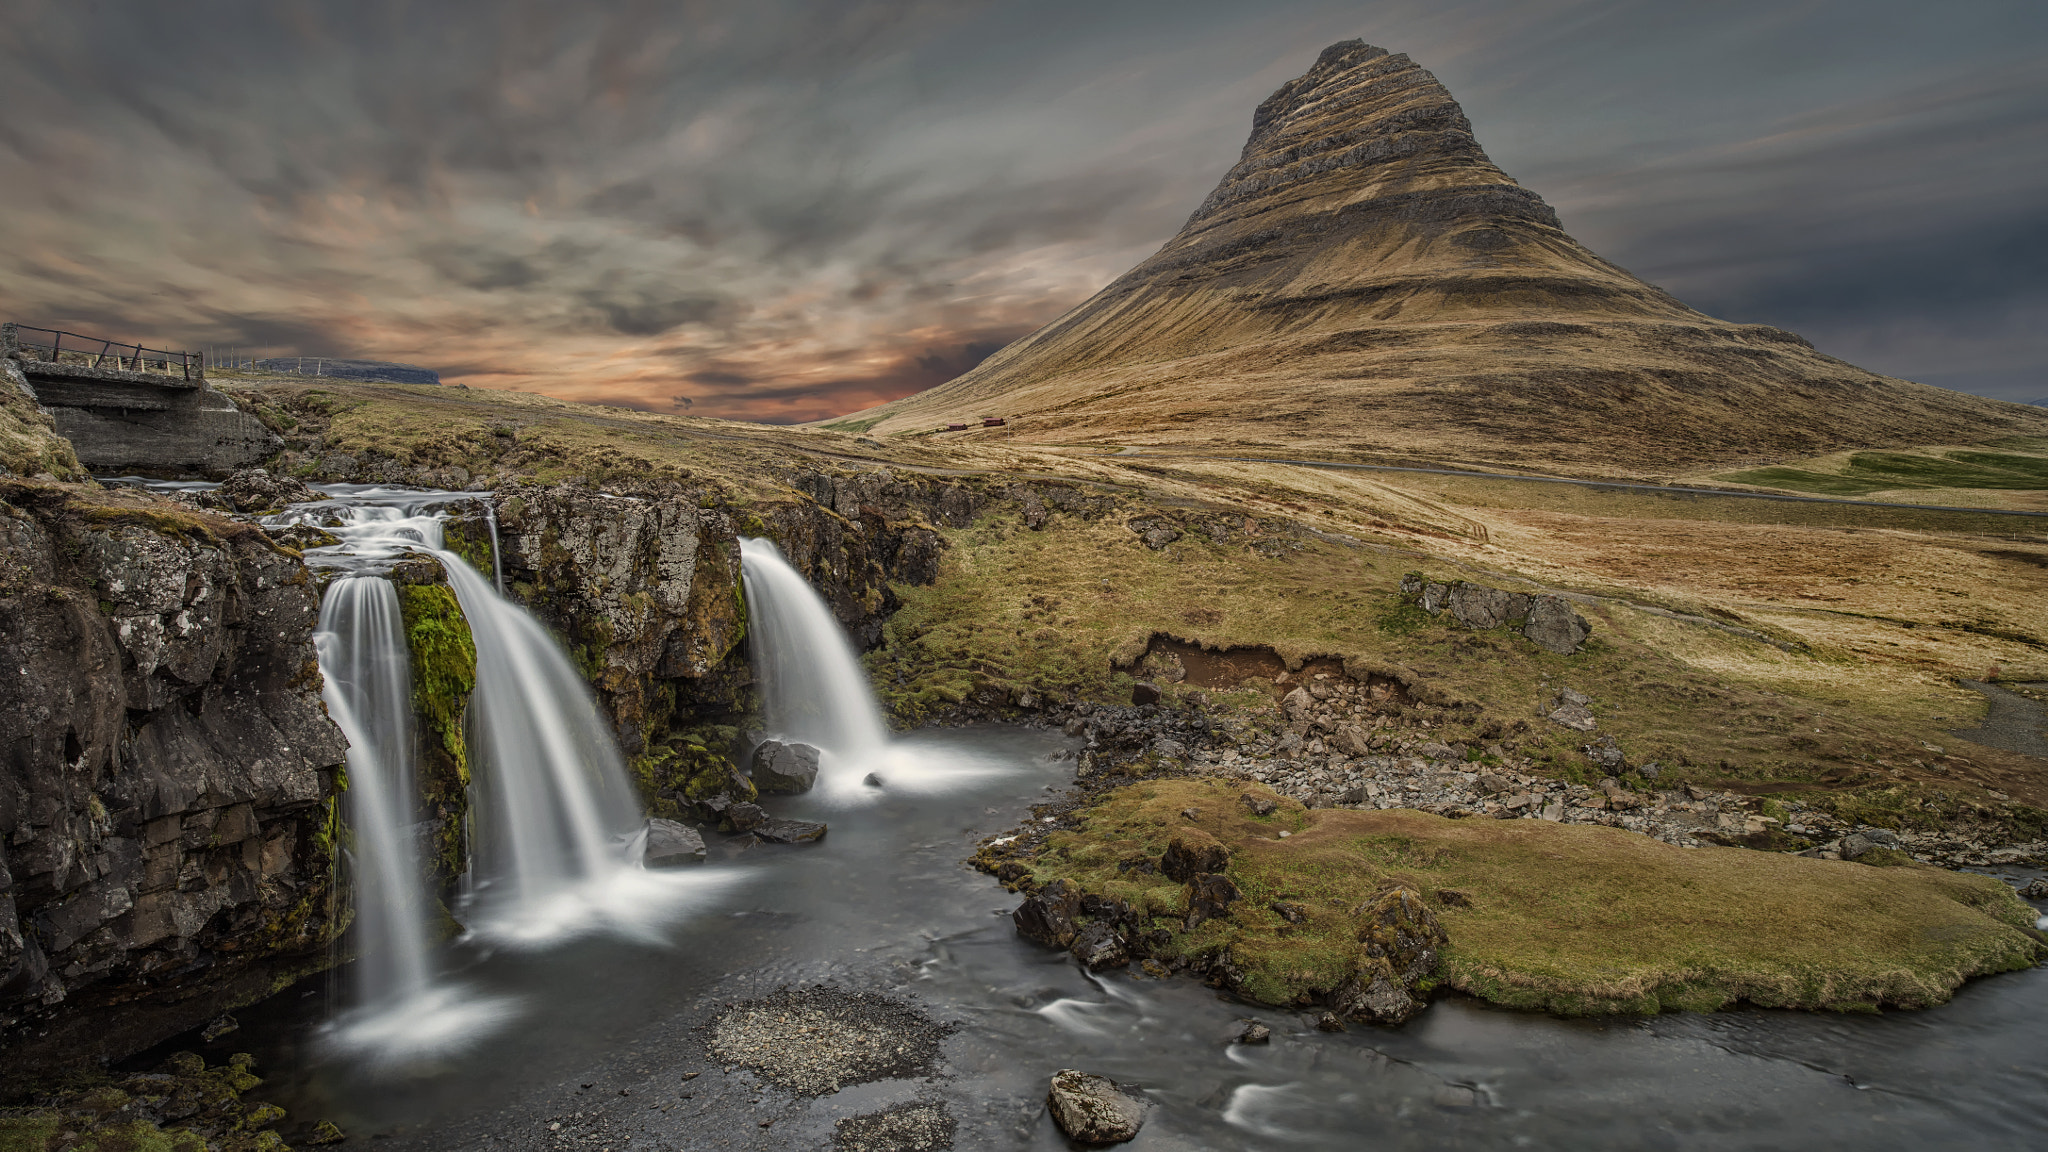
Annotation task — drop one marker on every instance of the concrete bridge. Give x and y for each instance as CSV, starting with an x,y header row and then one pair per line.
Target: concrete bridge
x,y
127,408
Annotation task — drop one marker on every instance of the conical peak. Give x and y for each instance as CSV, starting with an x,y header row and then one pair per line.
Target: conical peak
x,y
1361,117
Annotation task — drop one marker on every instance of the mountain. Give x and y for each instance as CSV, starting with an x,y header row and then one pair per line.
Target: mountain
x,y
1365,282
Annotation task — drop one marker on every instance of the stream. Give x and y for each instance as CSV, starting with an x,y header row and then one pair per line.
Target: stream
x,y
883,903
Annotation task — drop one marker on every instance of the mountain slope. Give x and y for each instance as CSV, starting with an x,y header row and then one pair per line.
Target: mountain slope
x,y
1365,281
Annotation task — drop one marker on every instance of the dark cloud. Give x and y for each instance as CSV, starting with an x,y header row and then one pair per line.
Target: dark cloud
x,y
790,208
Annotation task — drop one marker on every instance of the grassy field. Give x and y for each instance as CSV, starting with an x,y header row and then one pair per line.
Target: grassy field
x,y
1562,918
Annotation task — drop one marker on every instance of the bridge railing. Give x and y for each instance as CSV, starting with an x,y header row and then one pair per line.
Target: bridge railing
x,y
58,347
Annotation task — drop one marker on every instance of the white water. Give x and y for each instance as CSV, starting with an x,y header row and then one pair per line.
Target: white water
x,y
559,834
816,692
368,691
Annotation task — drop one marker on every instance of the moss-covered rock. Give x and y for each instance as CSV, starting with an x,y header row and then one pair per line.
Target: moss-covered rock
x,y
183,1106
1561,918
443,676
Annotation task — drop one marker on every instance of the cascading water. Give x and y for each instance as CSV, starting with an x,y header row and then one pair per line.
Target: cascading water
x,y
368,691
560,837
816,692
814,686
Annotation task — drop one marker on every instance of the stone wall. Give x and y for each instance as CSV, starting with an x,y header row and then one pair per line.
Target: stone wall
x,y
167,772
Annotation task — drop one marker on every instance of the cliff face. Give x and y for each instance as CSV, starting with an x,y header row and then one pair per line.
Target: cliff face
x,y
1365,280
169,771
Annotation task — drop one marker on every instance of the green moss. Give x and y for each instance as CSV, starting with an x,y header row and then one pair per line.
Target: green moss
x,y
443,676
1557,918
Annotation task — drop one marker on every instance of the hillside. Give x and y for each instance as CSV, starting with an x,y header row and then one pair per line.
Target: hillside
x,y
1365,282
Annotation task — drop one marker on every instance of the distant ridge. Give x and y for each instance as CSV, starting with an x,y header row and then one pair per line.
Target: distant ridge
x,y
1365,281
378,370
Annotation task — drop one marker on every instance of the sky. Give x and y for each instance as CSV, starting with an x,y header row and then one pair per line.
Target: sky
x,y
783,210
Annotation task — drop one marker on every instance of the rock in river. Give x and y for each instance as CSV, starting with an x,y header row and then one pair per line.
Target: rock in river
x,y
780,831
671,843
785,768
1093,1109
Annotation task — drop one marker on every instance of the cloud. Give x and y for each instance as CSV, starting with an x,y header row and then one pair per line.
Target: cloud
x,y
788,209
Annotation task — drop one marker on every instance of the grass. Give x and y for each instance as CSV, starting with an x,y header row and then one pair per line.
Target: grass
x,y
1561,918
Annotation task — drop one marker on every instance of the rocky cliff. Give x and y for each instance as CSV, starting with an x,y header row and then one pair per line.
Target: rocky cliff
x,y
169,775
1366,280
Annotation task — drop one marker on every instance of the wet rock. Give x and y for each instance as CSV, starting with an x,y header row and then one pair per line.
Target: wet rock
x,y
671,843
1047,915
1255,1033
784,769
1328,1021
1554,627
1100,946
1144,693
871,780
254,490
743,817
1189,856
781,831
1093,1109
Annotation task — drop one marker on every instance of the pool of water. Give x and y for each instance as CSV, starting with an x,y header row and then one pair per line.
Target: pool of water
x,y
609,1026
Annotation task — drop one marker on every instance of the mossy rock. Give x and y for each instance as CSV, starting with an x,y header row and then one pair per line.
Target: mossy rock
x,y
1563,918
443,677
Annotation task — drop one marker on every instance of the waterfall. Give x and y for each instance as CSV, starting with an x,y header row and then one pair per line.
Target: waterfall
x,y
814,687
363,658
559,833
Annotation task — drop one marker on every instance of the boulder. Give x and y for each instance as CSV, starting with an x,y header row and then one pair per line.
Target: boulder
x,y
779,831
1255,1033
1047,915
1258,805
1101,946
1298,703
256,490
1554,627
1351,740
784,768
1606,754
1477,606
1433,597
1144,692
743,817
1187,857
671,843
1398,938
1093,1109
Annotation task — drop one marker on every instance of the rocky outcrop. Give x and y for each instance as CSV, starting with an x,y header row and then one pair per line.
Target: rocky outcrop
x,y
1549,622
167,796
29,443
1365,279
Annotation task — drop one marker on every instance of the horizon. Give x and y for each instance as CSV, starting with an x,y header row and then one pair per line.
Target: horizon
x,y
793,215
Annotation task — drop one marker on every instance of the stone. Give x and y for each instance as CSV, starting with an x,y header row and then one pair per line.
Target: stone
x,y
1298,703
1492,784
871,780
254,490
1433,597
1093,1109
1100,946
1351,740
784,769
1144,692
1158,538
1254,1033
1075,727
744,817
781,831
1184,858
2035,889
1873,846
1256,804
1437,751
669,842
1169,748
1476,606
1554,627
1047,915
1575,717
1292,913
1454,897
1606,754
1399,939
